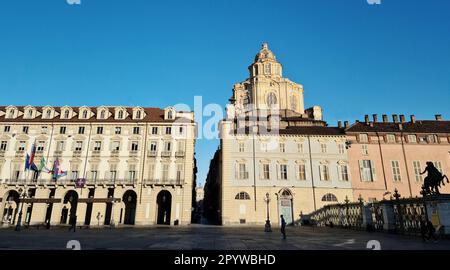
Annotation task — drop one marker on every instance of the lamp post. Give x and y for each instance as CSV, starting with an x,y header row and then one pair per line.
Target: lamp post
x,y
267,227
22,195
111,223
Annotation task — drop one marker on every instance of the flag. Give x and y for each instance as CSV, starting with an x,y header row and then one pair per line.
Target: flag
x,y
27,162
42,166
56,170
33,153
80,182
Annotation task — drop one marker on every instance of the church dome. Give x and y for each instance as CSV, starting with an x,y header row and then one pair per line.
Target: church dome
x,y
265,54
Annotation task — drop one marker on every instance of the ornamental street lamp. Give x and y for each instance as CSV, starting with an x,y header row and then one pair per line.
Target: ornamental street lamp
x,y
22,194
267,227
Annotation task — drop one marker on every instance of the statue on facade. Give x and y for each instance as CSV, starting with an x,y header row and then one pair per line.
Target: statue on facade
x,y
433,181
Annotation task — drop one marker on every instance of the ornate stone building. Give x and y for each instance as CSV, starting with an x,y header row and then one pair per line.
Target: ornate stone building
x,y
275,156
138,165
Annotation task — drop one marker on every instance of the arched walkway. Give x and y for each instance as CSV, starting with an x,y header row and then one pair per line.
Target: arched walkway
x,y
164,202
11,207
129,199
69,210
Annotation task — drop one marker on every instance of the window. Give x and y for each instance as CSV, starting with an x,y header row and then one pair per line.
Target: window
x,y
85,114
60,145
300,147
3,145
132,172
242,196
99,130
293,103
343,172
117,130
271,100
94,172
21,146
120,115
154,130
180,146
30,113
267,69
438,165
113,172
48,114
97,146
168,130
74,172
134,146
329,198
16,172
241,147
180,172
341,148
323,148
242,171
324,172
66,114
25,129
265,172
7,129
396,170
390,138
80,130
412,138
136,130
301,172
78,146
367,170
102,114
44,129
151,171
364,138
115,146
62,130
365,149
40,146
167,146
153,146
283,172
165,172
138,114
170,115
282,147
417,171
11,113
432,139
181,130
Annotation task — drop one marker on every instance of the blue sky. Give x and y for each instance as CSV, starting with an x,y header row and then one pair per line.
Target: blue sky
x,y
352,58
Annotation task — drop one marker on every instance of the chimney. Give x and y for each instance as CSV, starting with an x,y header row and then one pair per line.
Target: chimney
x,y
402,118
339,124
438,117
385,118
366,119
395,118
413,119
346,124
375,118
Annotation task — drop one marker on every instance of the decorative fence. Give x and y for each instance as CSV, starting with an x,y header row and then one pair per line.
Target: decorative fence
x,y
398,215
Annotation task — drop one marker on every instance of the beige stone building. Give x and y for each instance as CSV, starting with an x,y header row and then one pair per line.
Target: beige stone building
x,y
138,165
275,157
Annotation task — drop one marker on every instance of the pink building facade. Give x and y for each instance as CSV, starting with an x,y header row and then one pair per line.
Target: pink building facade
x,y
387,155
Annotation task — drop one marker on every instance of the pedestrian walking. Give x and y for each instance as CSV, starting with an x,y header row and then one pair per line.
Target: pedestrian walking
x,y
73,223
283,227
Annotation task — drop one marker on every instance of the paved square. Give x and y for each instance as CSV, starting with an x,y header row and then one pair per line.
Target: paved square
x,y
198,237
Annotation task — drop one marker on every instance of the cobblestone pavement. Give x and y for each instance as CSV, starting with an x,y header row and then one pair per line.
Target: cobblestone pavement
x,y
199,237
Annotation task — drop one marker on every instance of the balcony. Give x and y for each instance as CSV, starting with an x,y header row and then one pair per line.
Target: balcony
x,y
20,153
95,153
57,153
115,153
2,153
161,182
179,154
166,154
77,153
152,154
134,153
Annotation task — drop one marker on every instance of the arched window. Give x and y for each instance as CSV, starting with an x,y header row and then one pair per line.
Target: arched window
x,y
242,196
48,113
329,198
102,115
66,114
286,193
30,113
271,99
120,116
170,115
138,114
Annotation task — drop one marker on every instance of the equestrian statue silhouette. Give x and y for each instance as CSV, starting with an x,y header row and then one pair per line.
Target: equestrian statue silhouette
x,y
433,181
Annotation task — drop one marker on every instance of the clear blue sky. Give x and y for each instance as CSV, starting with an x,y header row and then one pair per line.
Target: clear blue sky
x,y
352,58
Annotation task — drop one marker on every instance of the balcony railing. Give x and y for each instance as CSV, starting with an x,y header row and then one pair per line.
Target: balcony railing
x,y
164,182
77,153
166,153
134,153
179,154
20,153
152,153
68,181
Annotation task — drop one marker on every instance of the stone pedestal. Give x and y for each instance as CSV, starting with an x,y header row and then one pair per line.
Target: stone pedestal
x,y
388,217
438,210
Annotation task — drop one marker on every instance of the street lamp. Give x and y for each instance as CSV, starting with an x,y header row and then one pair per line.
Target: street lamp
x,y
22,194
267,227
111,223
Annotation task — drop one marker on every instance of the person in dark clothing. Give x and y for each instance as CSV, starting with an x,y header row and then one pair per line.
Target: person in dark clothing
x,y
283,227
73,223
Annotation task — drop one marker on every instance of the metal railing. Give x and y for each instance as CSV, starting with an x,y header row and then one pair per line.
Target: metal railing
x,y
164,181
